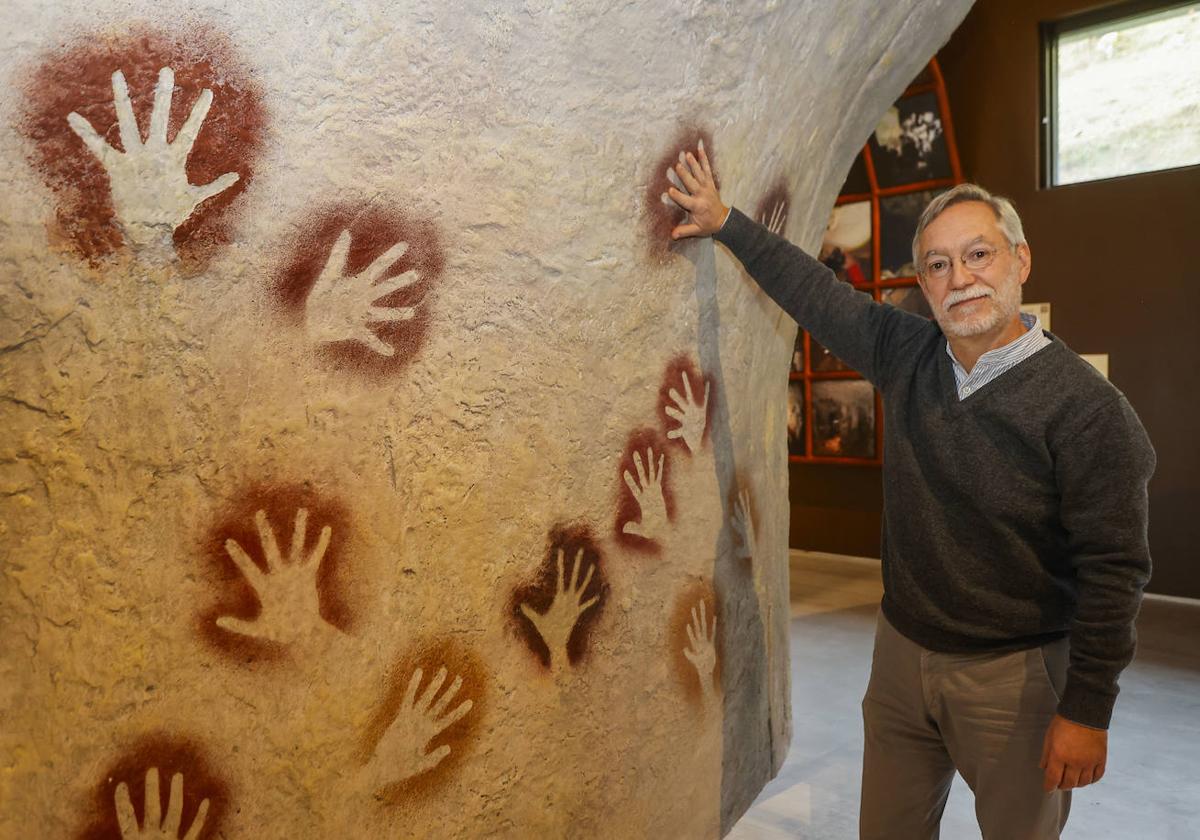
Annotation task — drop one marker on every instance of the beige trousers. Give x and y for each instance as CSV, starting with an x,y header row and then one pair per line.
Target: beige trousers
x,y
928,714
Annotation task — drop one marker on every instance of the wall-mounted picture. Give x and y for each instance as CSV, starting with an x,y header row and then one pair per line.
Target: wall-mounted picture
x,y
909,298
846,248
909,143
844,418
898,216
925,77
857,182
797,365
1041,311
822,360
795,419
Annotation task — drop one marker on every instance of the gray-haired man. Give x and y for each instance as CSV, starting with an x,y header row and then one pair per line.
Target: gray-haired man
x,y
1015,520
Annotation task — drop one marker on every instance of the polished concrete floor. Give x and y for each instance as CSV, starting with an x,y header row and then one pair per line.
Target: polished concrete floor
x,y
1151,790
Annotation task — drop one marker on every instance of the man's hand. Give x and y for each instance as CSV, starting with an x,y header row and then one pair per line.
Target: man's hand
x,y
701,200
1072,755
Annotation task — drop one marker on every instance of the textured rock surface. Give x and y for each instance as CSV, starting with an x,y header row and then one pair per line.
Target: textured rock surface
x,y
155,399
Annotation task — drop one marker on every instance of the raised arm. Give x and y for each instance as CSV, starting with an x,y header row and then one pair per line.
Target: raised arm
x,y
861,332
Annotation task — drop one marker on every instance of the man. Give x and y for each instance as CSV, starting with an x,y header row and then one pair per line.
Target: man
x,y
1015,519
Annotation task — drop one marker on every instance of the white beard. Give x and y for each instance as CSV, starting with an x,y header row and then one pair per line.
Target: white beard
x,y
1003,303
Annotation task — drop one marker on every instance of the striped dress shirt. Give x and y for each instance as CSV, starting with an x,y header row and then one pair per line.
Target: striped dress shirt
x,y
995,362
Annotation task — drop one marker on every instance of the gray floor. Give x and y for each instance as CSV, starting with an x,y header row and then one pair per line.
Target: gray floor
x,y
1151,790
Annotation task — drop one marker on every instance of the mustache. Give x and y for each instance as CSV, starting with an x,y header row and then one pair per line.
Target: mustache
x,y
964,295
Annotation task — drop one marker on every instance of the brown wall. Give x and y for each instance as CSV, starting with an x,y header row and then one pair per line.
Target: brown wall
x,y
1116,260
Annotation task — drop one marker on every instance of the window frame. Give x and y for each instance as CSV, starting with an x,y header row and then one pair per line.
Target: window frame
x,y
1049,33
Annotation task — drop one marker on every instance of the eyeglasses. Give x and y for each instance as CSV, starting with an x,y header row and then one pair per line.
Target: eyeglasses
x,y
978,258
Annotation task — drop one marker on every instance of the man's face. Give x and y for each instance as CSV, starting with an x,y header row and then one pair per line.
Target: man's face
x,y
969,272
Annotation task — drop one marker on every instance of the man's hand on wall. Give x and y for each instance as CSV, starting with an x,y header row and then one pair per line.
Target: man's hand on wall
x,y
149,183
287,591
1072,755
701,650
695,190
557,623
692,416
341,307
647,492
743,523
155,826
402,752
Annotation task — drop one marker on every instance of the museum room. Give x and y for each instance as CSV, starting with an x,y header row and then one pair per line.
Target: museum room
x,y
556,419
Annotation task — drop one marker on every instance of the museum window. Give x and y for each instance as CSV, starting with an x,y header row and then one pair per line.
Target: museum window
x,y
1121,92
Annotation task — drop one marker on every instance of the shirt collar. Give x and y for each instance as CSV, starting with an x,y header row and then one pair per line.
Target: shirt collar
x,y
1033,330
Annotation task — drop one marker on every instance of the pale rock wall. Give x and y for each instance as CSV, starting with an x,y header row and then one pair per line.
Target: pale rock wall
x,y
154,398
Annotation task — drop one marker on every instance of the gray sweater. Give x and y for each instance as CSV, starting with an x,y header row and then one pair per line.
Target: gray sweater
x,y
1012,517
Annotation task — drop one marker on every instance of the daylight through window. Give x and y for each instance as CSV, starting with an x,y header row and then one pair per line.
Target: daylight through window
x,y
1123,92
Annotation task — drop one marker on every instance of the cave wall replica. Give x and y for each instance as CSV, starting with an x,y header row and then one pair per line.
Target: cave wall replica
x,y
372,463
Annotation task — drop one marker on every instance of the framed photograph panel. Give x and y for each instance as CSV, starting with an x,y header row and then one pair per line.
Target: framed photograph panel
x,y
795,419
822,360
898,217
909,298
908,145
846,248
843,418
857,182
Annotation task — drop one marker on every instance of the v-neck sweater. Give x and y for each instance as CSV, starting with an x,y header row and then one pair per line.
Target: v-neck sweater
x,y
1012,517
996,361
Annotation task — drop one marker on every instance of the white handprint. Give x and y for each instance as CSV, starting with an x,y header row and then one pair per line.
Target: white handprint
x,y
743,522
154,826
341,307
647,492
692,416
777,219
402,751
702,652
558,622
287,591
150,190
